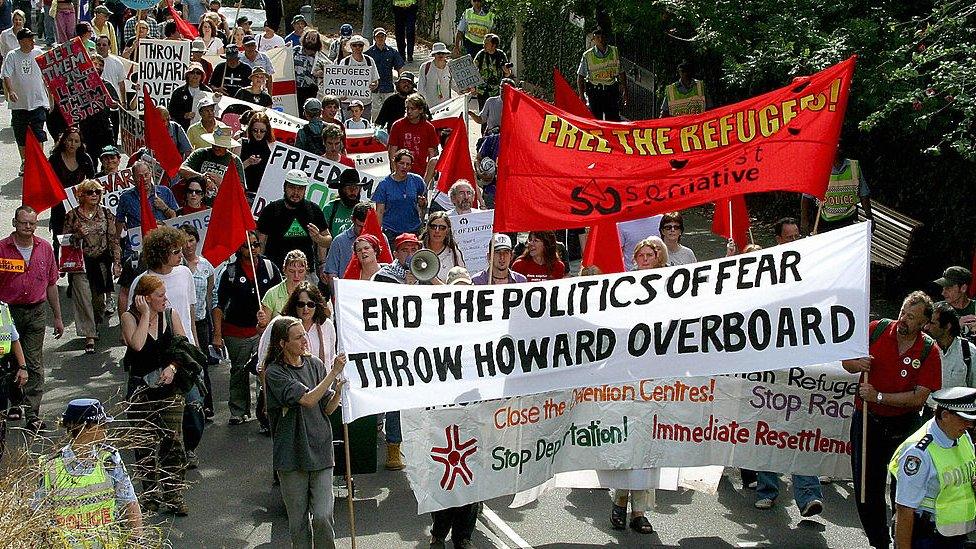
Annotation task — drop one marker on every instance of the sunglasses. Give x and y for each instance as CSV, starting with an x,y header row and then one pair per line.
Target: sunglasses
x,y
437,227
672,227
194,191
92,192
305,304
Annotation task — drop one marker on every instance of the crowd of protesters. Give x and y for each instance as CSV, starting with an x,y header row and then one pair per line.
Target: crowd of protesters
x,y
267,310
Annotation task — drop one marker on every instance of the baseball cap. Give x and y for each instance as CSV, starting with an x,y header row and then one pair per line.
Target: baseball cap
x,y
406,238
298,18
109,150
955,275
407,75
502,242
258,71
378,31
243,20
355,103
205,102
231,52
458,275
312,104
103,10
85,410
345,30
249,40
297,178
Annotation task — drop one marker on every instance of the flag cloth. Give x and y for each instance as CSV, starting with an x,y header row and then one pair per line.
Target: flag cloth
x,y
147,219
735,227
158,139
372,227
455,162
41,187
603,249
565,96
230,207
561,171
187,30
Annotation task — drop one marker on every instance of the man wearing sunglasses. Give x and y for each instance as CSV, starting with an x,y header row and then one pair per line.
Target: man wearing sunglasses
x,y
161,199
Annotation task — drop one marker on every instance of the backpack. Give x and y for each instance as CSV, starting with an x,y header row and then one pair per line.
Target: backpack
x,y
927,342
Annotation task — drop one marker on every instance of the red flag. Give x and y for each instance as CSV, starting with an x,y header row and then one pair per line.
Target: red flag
x,y
158,139
603,249
732,221
230,207
372,227
41,187
187,30
565,96
147,218
455,162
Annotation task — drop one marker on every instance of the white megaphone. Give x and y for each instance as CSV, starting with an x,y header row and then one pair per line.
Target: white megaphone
x,y
424,265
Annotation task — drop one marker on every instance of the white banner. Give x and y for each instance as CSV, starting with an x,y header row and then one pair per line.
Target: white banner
x,y
787,421
114,184
376,165
162,64
451,108
200,220
800,303
321,172
284,95
348,82
472,232
464,73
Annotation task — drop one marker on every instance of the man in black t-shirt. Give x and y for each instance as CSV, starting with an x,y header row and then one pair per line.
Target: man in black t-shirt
x,y
292,223
237,75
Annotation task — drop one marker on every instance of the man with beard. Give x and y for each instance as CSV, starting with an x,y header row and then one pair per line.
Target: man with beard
x,y
338,212
393,107
462,197
292,223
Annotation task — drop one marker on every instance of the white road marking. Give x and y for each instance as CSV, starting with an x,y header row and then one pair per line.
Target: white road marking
x,y
500,525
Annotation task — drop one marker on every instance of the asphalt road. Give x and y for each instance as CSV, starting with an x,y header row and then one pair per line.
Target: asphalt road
x,y
232,503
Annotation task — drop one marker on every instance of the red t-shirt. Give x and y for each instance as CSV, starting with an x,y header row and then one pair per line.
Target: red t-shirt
x,y
890,373
417,138
537,273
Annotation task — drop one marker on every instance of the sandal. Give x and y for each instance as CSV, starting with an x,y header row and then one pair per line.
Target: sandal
x,y
641,525
90,348
618,517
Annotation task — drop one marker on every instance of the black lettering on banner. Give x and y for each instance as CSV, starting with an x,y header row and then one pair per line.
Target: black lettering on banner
x,y
742,283
561,351
760,329
511,298
810,318
710,328
679,276
836,312
616,303
686,334
646,283
639,339
733,328
786,330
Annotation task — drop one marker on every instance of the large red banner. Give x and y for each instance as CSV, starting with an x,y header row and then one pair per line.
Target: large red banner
x,y
560,171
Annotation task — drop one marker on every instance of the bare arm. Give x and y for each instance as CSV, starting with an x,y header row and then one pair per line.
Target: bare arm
x,y
581,86
380,210
904,523
55,303
134,333
218,336
906,399
312,398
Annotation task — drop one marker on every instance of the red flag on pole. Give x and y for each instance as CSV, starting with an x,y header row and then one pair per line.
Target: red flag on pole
x,y
731,220
147,219
603,249
187,30
565,96
372,227
41,187
230,207
158,139
455,162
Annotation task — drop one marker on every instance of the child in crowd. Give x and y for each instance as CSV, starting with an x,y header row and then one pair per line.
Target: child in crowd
x,y
356,120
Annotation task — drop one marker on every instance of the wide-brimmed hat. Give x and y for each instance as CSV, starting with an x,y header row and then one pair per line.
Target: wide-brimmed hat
x,y
221,137
103,10
357,40
258,71
194,67
197,46
109,150
348,178
439,47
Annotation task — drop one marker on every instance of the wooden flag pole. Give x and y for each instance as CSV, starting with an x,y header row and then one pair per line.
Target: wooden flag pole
x,y
352,512
816,222
864,441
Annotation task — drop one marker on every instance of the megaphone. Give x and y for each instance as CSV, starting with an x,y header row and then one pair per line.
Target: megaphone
x,y
424,265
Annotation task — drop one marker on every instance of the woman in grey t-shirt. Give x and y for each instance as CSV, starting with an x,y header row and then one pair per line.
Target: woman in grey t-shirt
x,y
300,399
671,228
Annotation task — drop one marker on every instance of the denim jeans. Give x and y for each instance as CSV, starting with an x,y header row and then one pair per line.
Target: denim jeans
x,y
806,488
392,428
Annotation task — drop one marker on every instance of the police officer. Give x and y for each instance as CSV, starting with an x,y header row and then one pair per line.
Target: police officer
x,y
934,469
600,80
10,343
86,485
476,22
686,96
845,189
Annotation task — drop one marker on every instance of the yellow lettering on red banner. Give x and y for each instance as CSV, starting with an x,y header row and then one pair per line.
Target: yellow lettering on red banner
x,y
12,265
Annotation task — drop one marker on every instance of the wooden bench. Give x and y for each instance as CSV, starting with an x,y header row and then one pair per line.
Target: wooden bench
x,y
892,236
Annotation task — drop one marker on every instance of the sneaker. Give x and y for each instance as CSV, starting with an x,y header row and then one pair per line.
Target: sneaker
x,y
813,508
239,420
463,544
265,430
191,460
764,503
752,485
824,479
437,543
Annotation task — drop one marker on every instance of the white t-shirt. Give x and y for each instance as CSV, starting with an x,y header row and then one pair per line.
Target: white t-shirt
x,y
25,79
314,343
433,83
682,256
632,232
216,44
374,75
265,43
26,252
181,294
114,72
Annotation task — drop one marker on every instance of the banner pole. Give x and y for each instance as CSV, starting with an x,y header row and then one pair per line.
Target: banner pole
x,y
864,440
731,228
254,266
816,222
491,258
352,512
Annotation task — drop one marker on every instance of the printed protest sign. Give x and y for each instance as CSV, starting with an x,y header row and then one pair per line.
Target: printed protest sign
x,y
472,233
348,81
162,64
786,421
75,85
132,131
113,183
464,73
591,171
285,125
200,220
321,173
785,306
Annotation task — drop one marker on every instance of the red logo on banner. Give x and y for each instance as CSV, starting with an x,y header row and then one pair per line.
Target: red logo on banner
x,y
453,456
